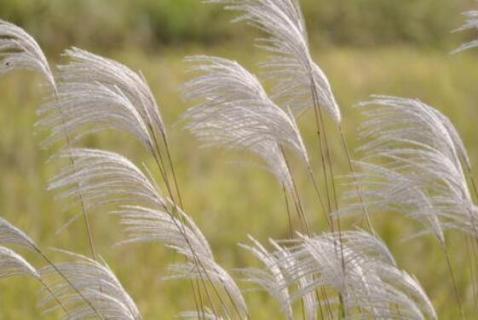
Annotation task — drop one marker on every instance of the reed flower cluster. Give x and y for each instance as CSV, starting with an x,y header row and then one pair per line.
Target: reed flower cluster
x,y
411,162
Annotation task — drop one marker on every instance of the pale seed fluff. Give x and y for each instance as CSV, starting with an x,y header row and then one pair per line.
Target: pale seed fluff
x,y
299,82
234,112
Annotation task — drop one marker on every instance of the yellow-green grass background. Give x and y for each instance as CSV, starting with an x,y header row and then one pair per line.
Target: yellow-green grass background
x,y
228,197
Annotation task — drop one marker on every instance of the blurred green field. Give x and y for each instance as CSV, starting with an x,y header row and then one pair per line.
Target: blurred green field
x,y
227,200
116,24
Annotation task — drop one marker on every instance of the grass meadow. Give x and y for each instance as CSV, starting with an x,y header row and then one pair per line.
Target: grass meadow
x,y
228,199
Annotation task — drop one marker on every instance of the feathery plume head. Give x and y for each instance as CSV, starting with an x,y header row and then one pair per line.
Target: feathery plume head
x,y
107,178
12,264
235,112
18,50
9,234
355,265
470,24
182,235
103,178
272,278
393,119
413,163
92,290
300,82
95,94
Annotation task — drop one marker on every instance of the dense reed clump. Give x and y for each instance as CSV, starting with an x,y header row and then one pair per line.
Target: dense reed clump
x,y
412,161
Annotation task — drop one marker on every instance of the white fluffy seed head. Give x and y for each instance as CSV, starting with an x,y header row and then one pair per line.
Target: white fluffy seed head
x,y
92,290
12,264
105,178
413,163
9,234
471,23
18,50
96,94
299,82
353,265
235,112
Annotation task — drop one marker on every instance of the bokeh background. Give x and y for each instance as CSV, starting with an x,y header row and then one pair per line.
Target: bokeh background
x,y
394,47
